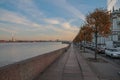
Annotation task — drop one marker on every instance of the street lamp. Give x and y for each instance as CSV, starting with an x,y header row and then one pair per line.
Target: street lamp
x,y
84,39
96,36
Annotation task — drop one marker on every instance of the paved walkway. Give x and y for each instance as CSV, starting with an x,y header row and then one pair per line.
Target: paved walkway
x,y
74,65
65,68
70,66
72,69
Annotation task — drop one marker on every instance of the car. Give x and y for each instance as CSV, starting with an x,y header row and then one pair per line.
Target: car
x,y
101,50
92,48
118,48
113,52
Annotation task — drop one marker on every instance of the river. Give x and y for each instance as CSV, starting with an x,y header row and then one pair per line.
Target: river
x,y
15,52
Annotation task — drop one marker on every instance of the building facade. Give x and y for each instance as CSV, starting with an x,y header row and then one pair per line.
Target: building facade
x,y
115,25
114,7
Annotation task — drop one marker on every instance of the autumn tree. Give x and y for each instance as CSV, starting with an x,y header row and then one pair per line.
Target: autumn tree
x,y
99,21
84,34
77,39
87,32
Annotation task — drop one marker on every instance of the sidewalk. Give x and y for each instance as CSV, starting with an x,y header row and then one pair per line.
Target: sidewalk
x,y
104,69
70,66
88,74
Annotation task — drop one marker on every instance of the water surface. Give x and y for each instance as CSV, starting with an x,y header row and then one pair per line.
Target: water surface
x,y
14,52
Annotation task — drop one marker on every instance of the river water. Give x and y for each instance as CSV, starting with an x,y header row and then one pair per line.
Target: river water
x,y
15,52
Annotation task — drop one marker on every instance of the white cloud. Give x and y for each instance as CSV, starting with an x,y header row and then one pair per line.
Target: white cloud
x,y
63,34
52,21
65,5
28,7
69,27
15,18
75,11
12,17
61,28
8,30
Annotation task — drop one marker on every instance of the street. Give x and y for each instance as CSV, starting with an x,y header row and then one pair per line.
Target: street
x,y
115,61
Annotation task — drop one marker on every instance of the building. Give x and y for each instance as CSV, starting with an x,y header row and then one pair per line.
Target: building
x,y
113,4
114,7
116,25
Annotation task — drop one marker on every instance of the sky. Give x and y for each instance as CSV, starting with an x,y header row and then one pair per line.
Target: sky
x,y
44,19
113,3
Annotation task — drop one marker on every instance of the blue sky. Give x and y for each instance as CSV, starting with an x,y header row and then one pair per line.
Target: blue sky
x,y
44,19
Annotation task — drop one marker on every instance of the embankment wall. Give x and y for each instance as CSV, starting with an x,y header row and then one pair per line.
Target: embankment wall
x,y
30,68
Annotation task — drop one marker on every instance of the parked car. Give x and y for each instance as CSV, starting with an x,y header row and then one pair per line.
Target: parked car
x,y
101,50
92,48
115,53
118,48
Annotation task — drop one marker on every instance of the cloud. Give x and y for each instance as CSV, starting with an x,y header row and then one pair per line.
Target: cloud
x,y
15,18
9,16
28,7
52,21
18,23
68,26
75,11
65,28
61,33
65,5
8,30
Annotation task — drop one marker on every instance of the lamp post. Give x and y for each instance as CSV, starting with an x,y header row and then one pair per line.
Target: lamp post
x,y
84,39
83,42
96,36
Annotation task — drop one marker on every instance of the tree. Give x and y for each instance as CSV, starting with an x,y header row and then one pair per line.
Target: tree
x,y
99,21
77,39
84,34
87,32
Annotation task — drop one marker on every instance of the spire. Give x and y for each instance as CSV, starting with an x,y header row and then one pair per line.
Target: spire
x,y
13,37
